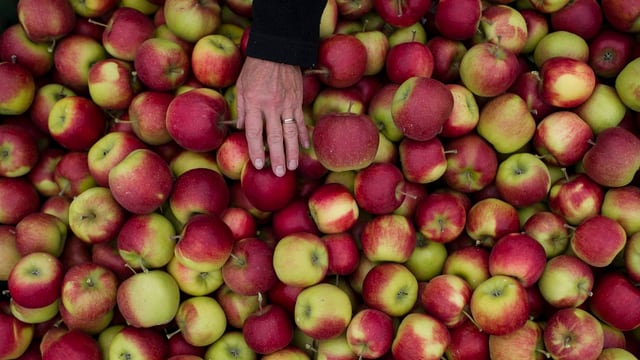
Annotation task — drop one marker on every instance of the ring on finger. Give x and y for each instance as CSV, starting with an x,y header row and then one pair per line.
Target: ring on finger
x,y
289,121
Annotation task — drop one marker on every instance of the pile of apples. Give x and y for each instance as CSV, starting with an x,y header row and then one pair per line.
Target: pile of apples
x,y
472,190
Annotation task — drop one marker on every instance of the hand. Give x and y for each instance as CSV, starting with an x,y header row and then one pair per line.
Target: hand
x,y
267,94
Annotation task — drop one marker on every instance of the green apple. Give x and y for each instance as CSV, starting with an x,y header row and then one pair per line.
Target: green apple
x,y
626,87
301,259
201,320
322,311
230,346
194,282
95,216
192,19
427,259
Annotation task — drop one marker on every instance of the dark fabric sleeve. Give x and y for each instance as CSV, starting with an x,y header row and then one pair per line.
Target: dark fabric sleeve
x,y
286,31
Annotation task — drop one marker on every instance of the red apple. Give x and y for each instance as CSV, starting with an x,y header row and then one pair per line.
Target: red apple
x,y
265,190
126,29
409,59
487,69
269,329
457,20
249,269
342,60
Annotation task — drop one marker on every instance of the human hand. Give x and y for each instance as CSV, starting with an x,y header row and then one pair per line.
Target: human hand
x,y
268,93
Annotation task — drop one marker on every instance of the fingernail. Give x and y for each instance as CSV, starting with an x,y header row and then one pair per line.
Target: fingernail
x,y
279,170
292,165
258,164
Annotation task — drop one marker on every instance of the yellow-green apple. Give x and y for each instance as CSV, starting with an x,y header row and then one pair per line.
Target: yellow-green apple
x,y
73,56
76,122
566,281
345,141
301,259
201,320
490,219
390,287
343,253
88,291
615,353
19,198
379,188
17,336
566,82
40,232
614,158
446,297
161,64
138,343
333,208
45,97
522,179
148,298
333,348
18,88
609,52
269,329
523,343
37,315
401,14
575,198
388,237
241,223
573,333
468,342
591,110
550,230
147,7
266,190
342,60
193,282
379,110
548,6
527,87
622,15
597,240
427,259
331,100
191,19
422,162
465,113
537,28
441,216
294,217
322,311
72,173
9,254
237,307
95,216
420,116
370,333
232,155
487,69
108,151
249,269
499,305
17,47
507,133
106,336
42,175
147,112
35,280
19,151
216,61
46,21
622,204
146,241
472,163
562,138
141,182
196,119
198,191
126,29
376,44
420,335
563,44
613,310
518,255
582,17
72,344
408,59
230,346
457,20
205,243
503,25
93,8
182,160
112,84
470,263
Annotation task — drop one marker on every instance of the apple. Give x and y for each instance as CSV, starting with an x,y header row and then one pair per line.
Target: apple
x,y
370,333
503,25
379,110
106,254
522,179
161,64
499,305
612,309
573,332
146,241
138,343
417,163
240,221
420,116
193,282
507,133
378,188
95,215
322,311
490,219
230,346
575,198
17,334
147,112
300,259
72,344
468,342
390,287
343,253
562,137
563,44
421,335
582,17
232,155
46,21
294,217
108,151
609,52
17,47
76,122
10,253
259,185
20,152
446,298
342,60
205,243
590,244
333,348
333,208
376,44
192,20
621,205
36,315
388,238
216,61
45,97
330,100
548,6
197,191
457,20
93,8
109,74
268,330
487,69
566,82
148,298
40,232
88,291
125,31
465,113
575,274
73,56
603,95
523,343
35,280
526,86
550,230
401,14
622,15
614,144
201,320
237,307
537,28
409,59
472,163
249,269
72,173
416,192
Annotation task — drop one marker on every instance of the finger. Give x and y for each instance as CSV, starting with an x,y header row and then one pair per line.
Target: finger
x,y
275,144
240,111
290,131
253,132
303,131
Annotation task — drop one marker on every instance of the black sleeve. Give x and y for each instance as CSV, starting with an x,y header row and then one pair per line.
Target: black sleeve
x,y
286,31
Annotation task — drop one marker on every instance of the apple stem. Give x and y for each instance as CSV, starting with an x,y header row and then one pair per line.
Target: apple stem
x,y
51,46
591,142
171,334
5,293
176,237
473,321
14,59
453,151
565,173
238,261
91,21
131,268
570,227
322,71
399,6
260,298
413,35
310,347
409,195
229,122
544,352
58,323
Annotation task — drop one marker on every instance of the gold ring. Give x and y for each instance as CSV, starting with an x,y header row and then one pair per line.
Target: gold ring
x,y
289,121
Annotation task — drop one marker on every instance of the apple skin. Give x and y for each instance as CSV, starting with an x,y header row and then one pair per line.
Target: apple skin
x,y
472,163
382,284
422,335
20,151
512,302
575,198
403,14
322,311
488,70
446,298
576,327
333,208
107,75
17,334
622,15
575,274
268,330
343,253
260,185
562,138
35,281
205,243
198,190
506,133
40,232
72,58
582,17
108,151
192,20
59,20
590,111
299,251
523,179
232,155
550,230
250,270
409,59
457,20
622,205
72,173
465,113
73,343
441,216
34,56
95,216
133,342
161,64
193,282
201,320
388,237
468,342
42,175
566,82
611,309
376,44
216,61
503,25
490,219
147,112
523,343
370,333
609,51
76,123
587,243
146,241
342,60
612,144
518,255
378,188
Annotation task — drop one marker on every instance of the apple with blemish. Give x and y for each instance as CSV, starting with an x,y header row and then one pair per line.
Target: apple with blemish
x,y
427,338
333,208
566,82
